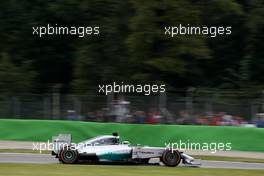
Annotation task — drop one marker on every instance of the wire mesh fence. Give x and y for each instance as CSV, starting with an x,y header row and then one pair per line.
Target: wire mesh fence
x,y
170,108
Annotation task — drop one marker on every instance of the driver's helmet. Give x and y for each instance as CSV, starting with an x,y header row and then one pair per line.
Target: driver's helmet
x,y
116,140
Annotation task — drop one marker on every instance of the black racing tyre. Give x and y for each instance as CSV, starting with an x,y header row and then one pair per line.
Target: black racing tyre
x,y
68,156
171,158
59,154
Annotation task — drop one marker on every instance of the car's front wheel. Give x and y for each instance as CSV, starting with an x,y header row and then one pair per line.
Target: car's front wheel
x,y
171,158
68,156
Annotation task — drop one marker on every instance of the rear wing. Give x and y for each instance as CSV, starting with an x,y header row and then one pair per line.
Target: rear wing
x,y
60,141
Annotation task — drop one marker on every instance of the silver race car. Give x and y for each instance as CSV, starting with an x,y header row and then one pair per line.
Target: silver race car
x,y
107,148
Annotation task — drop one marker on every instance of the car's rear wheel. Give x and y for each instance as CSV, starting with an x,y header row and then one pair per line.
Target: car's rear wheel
x,y
171,158
68,156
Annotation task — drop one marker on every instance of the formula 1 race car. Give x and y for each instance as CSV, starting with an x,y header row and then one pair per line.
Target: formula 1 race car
x,y
107,148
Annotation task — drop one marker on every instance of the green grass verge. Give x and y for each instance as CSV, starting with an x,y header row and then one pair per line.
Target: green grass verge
x,y
240,139
87,170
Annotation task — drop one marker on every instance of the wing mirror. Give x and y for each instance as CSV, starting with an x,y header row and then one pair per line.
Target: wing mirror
x,y
126,142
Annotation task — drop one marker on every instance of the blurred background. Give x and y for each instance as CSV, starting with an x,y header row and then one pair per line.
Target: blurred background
x,y
209,81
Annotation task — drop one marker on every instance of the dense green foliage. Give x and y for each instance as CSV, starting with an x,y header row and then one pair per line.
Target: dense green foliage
x,y
132,46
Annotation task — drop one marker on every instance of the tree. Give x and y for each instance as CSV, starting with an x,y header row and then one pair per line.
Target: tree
x,y
160,58
102,59
13,79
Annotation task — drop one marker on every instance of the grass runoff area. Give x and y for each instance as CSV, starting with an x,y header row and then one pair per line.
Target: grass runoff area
x,y
80,170
242,139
